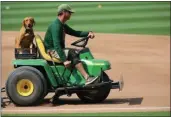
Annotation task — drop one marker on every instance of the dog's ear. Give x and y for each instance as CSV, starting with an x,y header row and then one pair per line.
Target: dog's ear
x,y
34,23
23,22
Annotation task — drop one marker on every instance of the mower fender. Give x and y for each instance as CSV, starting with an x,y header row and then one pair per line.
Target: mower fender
x,y
95,66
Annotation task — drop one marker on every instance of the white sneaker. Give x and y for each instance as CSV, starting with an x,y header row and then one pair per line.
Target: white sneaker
x,y
91,80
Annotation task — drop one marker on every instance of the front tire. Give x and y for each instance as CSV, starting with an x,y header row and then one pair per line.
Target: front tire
x,y
96,96
24,87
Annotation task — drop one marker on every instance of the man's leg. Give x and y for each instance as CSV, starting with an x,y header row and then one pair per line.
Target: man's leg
x,y
74,57
81,69
89,80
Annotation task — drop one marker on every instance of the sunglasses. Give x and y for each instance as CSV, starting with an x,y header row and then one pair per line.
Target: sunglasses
x,y
68,12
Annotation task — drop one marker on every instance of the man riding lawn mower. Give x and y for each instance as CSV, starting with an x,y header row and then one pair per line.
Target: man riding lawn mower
x,y
55,41
59,69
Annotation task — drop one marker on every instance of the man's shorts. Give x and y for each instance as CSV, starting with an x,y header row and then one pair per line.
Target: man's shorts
x,y
55,54
71,55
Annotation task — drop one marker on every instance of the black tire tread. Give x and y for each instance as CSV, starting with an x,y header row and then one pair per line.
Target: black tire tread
x,y
102,94
32,72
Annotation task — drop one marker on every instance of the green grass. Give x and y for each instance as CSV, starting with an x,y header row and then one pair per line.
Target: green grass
x,y
95,114
113,17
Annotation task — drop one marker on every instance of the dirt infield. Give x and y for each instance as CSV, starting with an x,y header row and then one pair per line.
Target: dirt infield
x,y
144,61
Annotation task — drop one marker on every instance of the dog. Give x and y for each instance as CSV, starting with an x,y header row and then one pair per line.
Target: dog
x,y
26,36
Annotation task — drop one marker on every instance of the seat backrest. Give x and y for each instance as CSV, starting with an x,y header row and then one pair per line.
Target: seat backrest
x,y
42,51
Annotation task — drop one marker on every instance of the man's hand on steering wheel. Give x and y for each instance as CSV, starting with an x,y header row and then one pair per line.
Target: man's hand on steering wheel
x,y
91,35
84,40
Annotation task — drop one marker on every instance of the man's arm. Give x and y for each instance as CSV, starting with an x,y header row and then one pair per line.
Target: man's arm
x,y
73,32
56,35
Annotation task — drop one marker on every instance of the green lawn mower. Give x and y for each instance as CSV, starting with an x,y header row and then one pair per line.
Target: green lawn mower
x,y
37,74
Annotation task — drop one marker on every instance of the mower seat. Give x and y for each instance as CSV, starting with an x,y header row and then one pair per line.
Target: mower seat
x,y
42,51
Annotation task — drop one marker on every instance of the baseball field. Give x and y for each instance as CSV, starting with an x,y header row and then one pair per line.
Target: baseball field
x,y
133,36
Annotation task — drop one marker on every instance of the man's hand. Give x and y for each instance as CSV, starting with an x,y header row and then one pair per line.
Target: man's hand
x,y
91,35
67,63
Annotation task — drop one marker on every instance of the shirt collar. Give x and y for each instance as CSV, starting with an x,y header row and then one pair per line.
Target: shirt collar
x,y
57,20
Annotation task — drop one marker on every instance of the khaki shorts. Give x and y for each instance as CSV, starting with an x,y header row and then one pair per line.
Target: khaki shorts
x,y
55,54
71,55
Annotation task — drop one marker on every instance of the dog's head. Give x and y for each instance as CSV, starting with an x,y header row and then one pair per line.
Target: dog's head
x,y
28,22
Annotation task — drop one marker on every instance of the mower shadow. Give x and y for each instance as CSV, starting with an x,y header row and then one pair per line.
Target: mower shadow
x,y
67,101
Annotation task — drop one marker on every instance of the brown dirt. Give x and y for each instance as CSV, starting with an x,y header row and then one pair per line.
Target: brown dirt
x,y
144,61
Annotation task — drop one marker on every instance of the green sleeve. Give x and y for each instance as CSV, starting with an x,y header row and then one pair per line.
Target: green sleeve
x,y
73,32
57,35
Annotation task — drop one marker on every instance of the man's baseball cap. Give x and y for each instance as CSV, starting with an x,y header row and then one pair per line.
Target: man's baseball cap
x,y
65,7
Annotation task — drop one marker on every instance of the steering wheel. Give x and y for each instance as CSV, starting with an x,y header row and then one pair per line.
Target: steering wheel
x,y
85,39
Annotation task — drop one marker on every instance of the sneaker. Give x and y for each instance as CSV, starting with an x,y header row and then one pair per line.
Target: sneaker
x,y
91,80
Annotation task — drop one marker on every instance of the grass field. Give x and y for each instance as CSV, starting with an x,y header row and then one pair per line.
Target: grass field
x,y
112,17
94,114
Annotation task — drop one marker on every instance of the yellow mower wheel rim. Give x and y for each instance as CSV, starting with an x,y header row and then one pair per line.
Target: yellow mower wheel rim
x,y
25,87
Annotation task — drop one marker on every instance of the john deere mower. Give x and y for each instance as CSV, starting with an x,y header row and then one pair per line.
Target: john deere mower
x,y
36,74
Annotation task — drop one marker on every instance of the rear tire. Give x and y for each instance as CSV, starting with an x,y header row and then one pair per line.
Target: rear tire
x,y
96,96
45,87
25,86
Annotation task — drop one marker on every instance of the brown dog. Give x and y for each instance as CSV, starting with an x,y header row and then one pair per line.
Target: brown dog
x,y
26,36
